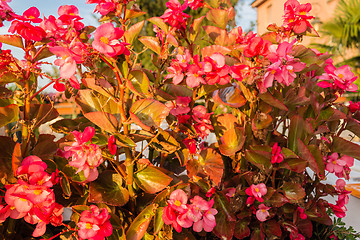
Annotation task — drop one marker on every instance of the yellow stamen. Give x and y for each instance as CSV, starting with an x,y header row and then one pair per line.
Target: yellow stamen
x,y
177,203
88,226
257,190
104,40
37,192
341,76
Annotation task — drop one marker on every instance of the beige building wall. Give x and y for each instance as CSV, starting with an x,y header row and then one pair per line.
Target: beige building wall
x,y
271,11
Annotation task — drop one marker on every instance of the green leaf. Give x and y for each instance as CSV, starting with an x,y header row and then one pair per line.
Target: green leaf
x,y
132,33
219,17
68,125
124,140
9,114
13,40
164,142
151,179
305,154
148,113
152,43
242,229
70,172
294,164
65,185
259,160
232,141
140,224
160,23
16,158
345,147
209,163
293,191
158,222
224,228
104,120
296,131
271,100
139,83
195,28
107,188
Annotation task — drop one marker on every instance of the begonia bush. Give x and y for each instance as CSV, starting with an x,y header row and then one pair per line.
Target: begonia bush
x,y
232,136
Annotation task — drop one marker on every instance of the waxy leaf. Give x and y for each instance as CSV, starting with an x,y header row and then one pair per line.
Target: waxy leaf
x,y
42,113
13,40
219,17
294,164
133,13
353,125
107,188
152,43
315,151
158,222
70,172
139,83
208,164
259,160
91,101
45,147
140,224
195,28
242,229
148,113
132,33
104,120
160,23
293,191
271,100
68,125
277,200
272,228
296,131
209,50
9,114
232,141
16,158
224,228
124,140
217,35
230,96
151,179
164,142
305,154
65,185
346,147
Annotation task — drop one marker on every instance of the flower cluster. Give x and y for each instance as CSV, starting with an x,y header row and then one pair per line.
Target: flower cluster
x,y
94,224
339,166
31,197
198,214
297,16
174,15
85,157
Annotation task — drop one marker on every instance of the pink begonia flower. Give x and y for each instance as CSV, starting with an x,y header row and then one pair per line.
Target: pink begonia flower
x,y
341,79
302,213
178,200
181,106
170,218
353,107
262,213
343,197
255,192
296,16
339,211
32,15
94,224
106,40
256,46
195,4
336,165
105,7
191,145
296,236
202,121
208,221
27,31
85,157
219,72
210,192
112,145
174,15
276,156
239,71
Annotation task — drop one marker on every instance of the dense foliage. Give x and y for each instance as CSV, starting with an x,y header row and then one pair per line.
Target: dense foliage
x,y
233,139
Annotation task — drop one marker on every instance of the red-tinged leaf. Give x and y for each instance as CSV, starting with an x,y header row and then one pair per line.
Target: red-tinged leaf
x,y
13,40
242,229
277,200
148,113
209,164
337,115
227,121
45,147
132,33
305,54
270,36
16,158
7,146
45,53
217,35
100,85
272,228
9,114
232,141
70,172
209,50
158,222
230,96
293,191
223,204
104,120
353,125
139,83
345,147
261,121
65,185
152,43
259,160
133,13
296,131
219,17
315,151
42,113
271,100
160,23
305,154
257,234
195,28
151,180
224,228
92,101
107,188
305,226
164,142
124,140
294,164
140,224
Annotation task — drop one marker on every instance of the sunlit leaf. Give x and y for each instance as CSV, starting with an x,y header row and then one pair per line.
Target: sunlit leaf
x,y
132,33
152,43
140,224
230,96
139,83
151,179
13,40
232,141
104,120
9,114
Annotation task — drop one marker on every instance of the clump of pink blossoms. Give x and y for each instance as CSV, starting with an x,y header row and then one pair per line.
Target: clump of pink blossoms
x,y
255,192
85,157
94,224
339,166
33,199
198,214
